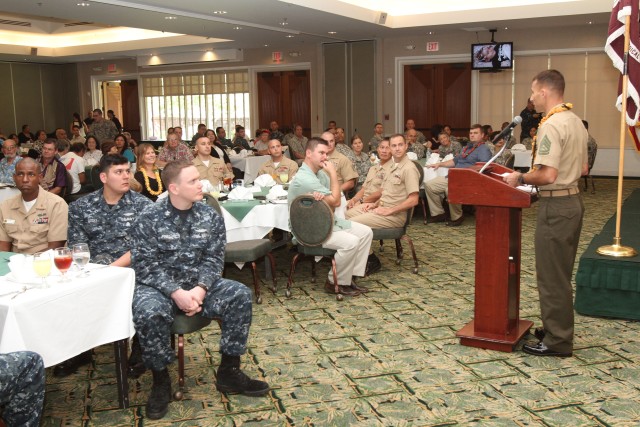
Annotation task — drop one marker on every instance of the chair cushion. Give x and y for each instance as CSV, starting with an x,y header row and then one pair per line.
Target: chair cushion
x,y
247,250
311,220
183,324
316,251
388,233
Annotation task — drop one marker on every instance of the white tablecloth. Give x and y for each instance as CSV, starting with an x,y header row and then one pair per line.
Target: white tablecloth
x,y
68,318
522,159
258,222
250,165
430,173
7,193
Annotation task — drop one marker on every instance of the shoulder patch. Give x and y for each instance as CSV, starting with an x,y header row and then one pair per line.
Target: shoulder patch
x,y
545,146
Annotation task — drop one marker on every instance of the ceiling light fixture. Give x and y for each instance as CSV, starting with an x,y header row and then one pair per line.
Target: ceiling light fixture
x,y
170,18
284,22
219,12
83,3
332,32
237,28
290,36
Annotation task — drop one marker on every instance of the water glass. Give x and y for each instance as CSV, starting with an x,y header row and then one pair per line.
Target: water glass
x,y
81,256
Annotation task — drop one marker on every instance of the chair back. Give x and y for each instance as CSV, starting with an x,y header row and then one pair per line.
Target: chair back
x,y
211,201
410,211
94,177
311,220
510,161
592,151
66,191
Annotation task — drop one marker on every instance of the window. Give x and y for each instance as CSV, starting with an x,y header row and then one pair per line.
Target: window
x,y
215,99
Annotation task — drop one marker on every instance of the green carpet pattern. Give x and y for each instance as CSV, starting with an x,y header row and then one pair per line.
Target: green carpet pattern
x,y
389,358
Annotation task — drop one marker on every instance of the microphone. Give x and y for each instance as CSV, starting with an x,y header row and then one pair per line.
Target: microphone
x,y
506,131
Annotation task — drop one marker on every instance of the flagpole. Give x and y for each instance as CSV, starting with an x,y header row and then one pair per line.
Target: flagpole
x,y
616,249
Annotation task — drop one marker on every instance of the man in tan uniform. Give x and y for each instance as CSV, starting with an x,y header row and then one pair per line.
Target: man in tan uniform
x,y
347,175
35,220
278,164
372,187
560,159
400,190
209,167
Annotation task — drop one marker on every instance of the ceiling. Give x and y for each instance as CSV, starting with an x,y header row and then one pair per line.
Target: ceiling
x,y
77,30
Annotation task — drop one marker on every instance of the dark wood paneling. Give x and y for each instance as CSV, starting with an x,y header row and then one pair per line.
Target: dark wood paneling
x,y
285,97
130,107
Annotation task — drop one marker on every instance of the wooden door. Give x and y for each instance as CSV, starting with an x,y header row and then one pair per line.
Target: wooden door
x,y
130,108
438,94
284,96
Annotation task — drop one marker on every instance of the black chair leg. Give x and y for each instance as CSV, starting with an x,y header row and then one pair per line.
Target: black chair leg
x,y
399,251
273,272
313,270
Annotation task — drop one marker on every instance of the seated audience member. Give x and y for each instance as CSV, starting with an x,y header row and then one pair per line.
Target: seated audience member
x,y
371,189
218,151
109,147
174,149
34,220
411,124
22,381
92,154
346,174
278,164
131,143
178,131
75,135
433,143
201,130
73,161
447,129
351,240
177,253
275,132
210,168
261,145
497,146
240,140
361,160
448,145
400,190
25,135
8,163
60,133
297,144
475,151
378,136
41,137
53,171
147,173
83,129
342,147
528,142
122,144
103,220
413,146
221,135
592,145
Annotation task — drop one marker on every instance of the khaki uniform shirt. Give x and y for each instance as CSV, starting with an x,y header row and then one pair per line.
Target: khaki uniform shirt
x,y
402,179
215,172
375,177
344,167
562,144
286,165
31,232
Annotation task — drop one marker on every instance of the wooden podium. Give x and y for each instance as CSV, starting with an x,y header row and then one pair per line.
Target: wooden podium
x,y
496,324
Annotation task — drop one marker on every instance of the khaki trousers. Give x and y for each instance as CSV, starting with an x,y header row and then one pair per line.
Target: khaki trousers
x,y
437,189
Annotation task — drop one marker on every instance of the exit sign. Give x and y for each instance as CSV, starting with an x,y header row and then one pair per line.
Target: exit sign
x,y
433,46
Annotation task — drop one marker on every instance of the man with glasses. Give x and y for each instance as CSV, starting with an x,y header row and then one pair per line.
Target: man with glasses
x,y
8,163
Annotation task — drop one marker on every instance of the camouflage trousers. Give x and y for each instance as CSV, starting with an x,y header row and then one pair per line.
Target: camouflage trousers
x,y
153,314
21,388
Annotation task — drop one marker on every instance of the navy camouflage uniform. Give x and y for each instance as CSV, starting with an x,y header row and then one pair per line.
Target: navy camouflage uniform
x,y
175,249
104,228
21,388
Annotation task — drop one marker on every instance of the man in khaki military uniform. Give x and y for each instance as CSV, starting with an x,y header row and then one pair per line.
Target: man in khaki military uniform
x,y
35,220
347,175
559,162
209,167
372,187
400,191
278,164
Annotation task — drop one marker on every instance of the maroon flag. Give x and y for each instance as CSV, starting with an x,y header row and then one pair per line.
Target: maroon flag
x,y
615,50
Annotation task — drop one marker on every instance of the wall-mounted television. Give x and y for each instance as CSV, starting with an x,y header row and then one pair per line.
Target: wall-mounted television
x,y
492,56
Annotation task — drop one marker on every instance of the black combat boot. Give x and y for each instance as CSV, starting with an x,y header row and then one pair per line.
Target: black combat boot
x,y
160,395
230,379
136,366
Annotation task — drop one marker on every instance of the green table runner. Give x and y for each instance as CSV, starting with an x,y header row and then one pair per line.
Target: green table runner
x,y
239,209
4,262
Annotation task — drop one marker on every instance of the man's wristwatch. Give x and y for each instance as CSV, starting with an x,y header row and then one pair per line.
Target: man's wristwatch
x,y
521,179
203,286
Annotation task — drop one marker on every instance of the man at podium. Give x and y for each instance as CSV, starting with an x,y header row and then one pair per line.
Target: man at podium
x,y
559,160
475,151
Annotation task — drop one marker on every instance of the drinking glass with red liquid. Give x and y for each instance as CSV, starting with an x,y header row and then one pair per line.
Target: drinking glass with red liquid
x,y
227,182
62,258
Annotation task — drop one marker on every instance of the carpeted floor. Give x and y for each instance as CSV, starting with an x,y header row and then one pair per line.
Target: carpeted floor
x,y
389,358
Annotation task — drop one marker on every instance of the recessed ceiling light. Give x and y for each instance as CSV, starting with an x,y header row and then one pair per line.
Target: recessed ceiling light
x,y
237,28
290,36
506,28
590,22
219,12
266,45
170,18
83,3
332,32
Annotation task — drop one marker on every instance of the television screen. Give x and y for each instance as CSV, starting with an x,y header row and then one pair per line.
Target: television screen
x,y
492,56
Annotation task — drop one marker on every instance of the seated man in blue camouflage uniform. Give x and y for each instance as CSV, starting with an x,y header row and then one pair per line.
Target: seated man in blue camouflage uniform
x,y
103,220
178,256
21,388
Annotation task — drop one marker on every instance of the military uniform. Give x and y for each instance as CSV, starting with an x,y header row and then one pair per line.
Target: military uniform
x,y
374,142
401,180
240,144
350,240
21,388
106,229
215,172
561,145
104,130
286,165
346,151
421,139
174,250
31,232
362,164
298,145
453,148
344,167
418,149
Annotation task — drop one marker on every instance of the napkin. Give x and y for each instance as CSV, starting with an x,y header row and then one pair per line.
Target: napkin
x,y
433,158
21,267
241,193
207,187
412,156
519,147
277,192
265,180
241,154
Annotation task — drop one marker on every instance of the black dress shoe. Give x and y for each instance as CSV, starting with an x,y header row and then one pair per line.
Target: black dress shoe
x,y
344,290
70,366
539,333
437,218
359,288
456,223
542,350
373,265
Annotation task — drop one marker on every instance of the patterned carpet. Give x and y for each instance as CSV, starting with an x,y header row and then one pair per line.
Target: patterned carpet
x,y
389,358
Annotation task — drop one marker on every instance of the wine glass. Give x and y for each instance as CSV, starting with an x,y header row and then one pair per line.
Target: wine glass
x,y
284,177
227,182
62,258
42,266
81,256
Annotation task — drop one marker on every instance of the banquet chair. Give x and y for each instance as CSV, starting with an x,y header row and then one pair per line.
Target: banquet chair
x,y
247,251
400,233
311,225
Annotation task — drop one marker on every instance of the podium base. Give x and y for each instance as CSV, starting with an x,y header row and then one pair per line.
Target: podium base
x,y
470,337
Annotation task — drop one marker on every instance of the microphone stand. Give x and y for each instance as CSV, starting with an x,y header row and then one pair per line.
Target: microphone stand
x,y
497,154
